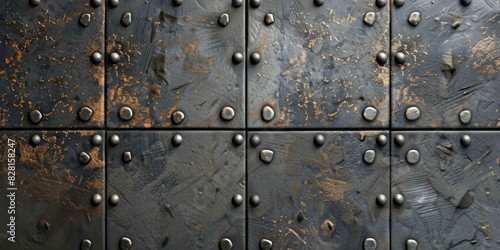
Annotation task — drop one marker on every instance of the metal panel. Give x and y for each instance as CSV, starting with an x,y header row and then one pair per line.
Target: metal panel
x,y
447,66
170,64
50,76
450,190
176,190
315,65
310,190
52,183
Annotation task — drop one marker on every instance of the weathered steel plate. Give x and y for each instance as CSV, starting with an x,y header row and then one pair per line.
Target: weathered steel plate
x,y
318,65
175,58
317,197
176,197
48,79
451,194
451,64
53,196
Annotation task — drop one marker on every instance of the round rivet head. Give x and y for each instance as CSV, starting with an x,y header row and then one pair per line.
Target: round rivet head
x,y
412,113
35,2
414,18
35,116
177,117
369,156
381,140
96,199
237,3
84,158
319,140
254,200
398,199
237,58
177,2
465,140
224,19
269,19
113,3
114,140
125,113
399,3
96,3
254,140
126,19
86,244
465,2
370,113
255,58
114,57
127,156
177,140
413,156
226,244
85,19
238,139
254,3
114,199
411,244
266,244
381,200
227,113
465,117
96,58
370,18
380,3
267,113
319,2
125,243
35,140
400,58
85,113
399,140
237,200
370,244
266,155
382,58
96,140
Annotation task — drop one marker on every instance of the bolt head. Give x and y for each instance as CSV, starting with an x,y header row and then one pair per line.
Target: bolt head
x,y
380,3
177,117
84,158
114,199
399,140
381,200
370,18
319,3
465,117
114,140
237,200
465,140
96,58
238,139
399,3
412,113
255,58
96,3
382,58
381,140
370,113
35,116
413,156
114,58
237,3
237,58
255,200
96,140
224,19
35,140
34,2
85,114
227,113
267,113
113,3
96,199
400,58
125,113
465,2
369,156
127,156
398,199
86,244
254,3
269,19
254,140
177,2
176,140
319,140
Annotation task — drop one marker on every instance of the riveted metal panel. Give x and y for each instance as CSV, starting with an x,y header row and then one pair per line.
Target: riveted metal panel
x,y
316,191
46,52
318,64
170,59
176,189
451,64
451,194
53,196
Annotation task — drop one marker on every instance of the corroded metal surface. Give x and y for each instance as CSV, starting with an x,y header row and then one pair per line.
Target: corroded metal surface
x,y
318,191
176,189
451,195
318,64
451,64
46,61
175,58
56,195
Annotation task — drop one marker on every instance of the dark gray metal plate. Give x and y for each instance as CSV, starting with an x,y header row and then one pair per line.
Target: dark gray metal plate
x,y
53,190
452,196
46,65
176,197
452,64
318,197
318,65
175,59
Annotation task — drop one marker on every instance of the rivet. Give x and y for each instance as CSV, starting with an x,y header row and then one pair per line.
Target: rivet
x,y
224,19
227,113
414,18
125,243
399,140
125,113
35,140
237,200
465,117
255,58
254,140
113,3
398,199
254,3
465,140
114,140
35,116
225,244
399,3
413,156
266,155
400,58
411,244
237,3
96,199
255,200
177,2
266,244
370,244
382,58
84,158
380,3
127,156
465,2
96,58
381,140
85,19
370,18
114,57
85,113
126,19
269,19
43,226
177,140
96,140
267,113
177,117
319,140
86,244
113,200
381,200
369,156
412,113
35,2
237,58
319,2
238,139
370,113
96,3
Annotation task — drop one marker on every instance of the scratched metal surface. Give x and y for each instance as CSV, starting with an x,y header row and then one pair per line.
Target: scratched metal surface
x,y
46,66
175,58
54,190
318,197
452,64
451,196
318,65
176,197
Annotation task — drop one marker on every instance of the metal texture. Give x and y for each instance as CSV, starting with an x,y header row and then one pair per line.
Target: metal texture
x,y
48,64
58,200
175,56
318,64
450,198
317,197
451,64
176,197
